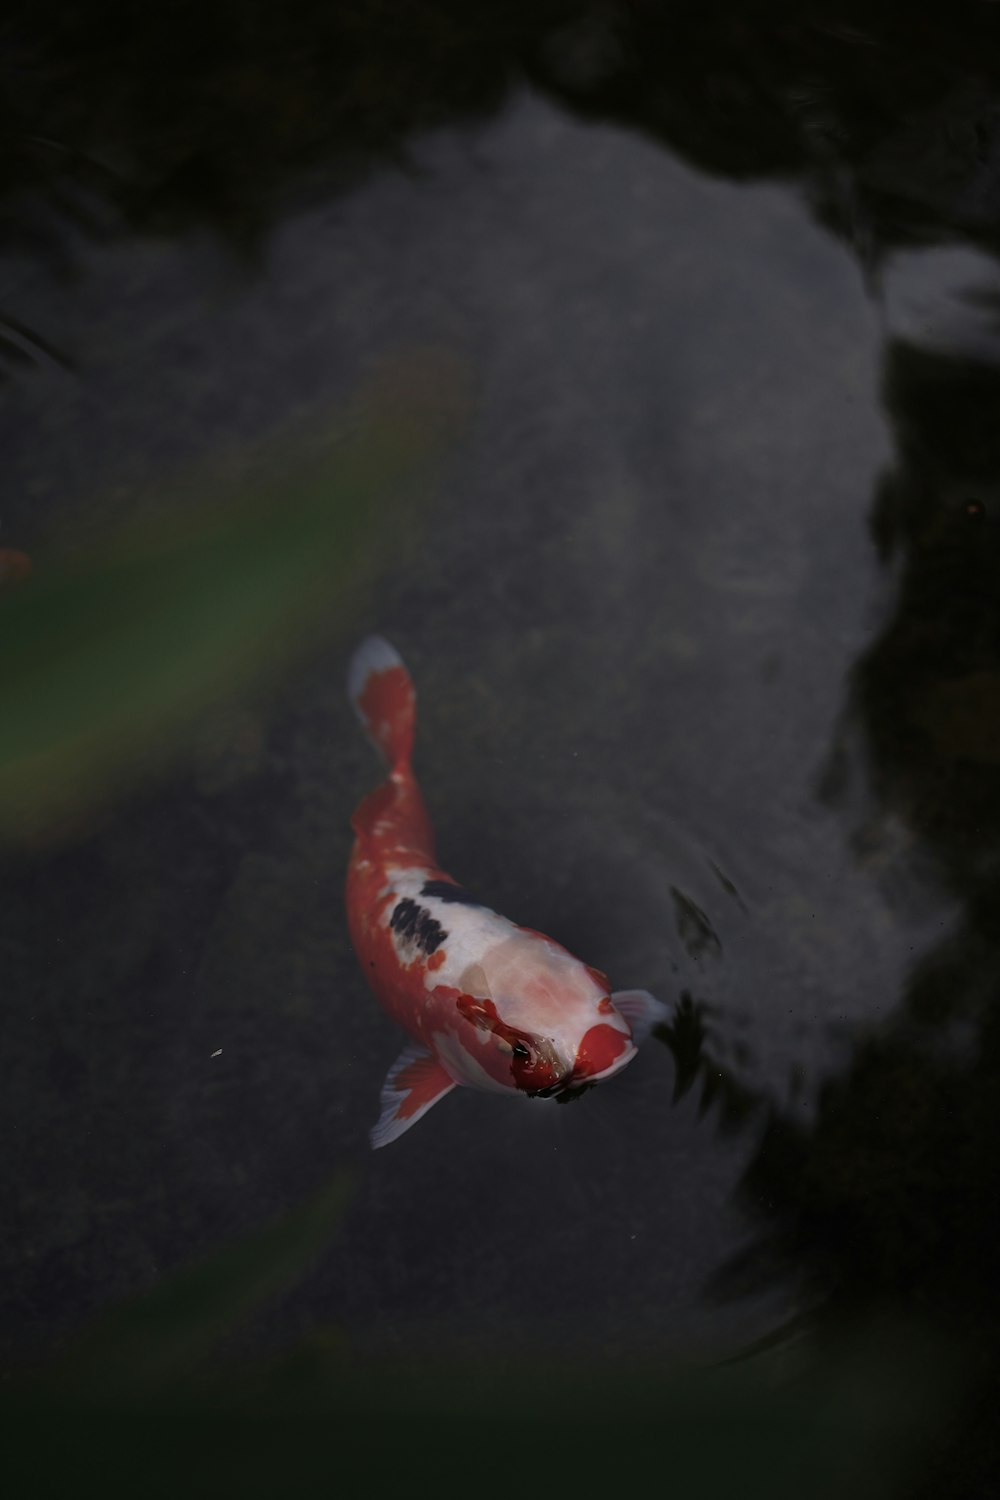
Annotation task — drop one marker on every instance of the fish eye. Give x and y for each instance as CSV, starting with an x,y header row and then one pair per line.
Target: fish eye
x,y
521,1051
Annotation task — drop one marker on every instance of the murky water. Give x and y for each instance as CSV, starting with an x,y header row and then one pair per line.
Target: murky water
x,y
703,623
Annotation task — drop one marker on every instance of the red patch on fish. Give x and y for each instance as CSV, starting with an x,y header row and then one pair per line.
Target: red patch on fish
x,y
388,704
601,1047
482,1013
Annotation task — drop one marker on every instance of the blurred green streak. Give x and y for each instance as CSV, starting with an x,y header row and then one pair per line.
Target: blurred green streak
x,y
136,1408
855,1419
162,1337
108,662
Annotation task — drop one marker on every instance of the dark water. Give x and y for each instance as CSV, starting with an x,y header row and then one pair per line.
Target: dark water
x,y
705,629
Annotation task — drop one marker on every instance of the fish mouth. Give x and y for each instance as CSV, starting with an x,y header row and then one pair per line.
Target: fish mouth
x,y
552,1092
565,1091
579,1079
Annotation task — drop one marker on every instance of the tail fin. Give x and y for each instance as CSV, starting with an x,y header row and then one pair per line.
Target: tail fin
x,y
384,699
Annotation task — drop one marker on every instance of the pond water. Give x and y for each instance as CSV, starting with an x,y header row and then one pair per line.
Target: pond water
x,y
703,619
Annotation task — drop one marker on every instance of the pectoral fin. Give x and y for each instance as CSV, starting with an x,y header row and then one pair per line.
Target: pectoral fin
x,y
414,1083
641,1010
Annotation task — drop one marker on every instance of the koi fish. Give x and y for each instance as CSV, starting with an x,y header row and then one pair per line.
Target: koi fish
x,y
487,1003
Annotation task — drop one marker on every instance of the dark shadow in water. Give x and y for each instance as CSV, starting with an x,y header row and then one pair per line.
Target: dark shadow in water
x,y
116,119
887,114
210,113
889,1198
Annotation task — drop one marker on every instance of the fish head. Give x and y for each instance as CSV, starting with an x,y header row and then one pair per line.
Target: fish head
x,y
545,1068
551,1018
542,1069
524,1058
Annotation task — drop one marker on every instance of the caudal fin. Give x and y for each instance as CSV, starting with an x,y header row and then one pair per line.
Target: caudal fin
x,y
384,699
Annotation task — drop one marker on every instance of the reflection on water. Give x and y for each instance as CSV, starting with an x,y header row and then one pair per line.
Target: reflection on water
x,y
705,629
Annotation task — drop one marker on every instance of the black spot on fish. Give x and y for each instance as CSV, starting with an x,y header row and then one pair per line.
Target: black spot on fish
x,y
417,926
404,916
445,891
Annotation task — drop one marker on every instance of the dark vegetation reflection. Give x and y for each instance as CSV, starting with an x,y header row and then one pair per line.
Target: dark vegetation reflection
x,y
888,1199
118,120
212,113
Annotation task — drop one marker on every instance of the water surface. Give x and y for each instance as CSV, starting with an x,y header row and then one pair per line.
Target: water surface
x,y
703,625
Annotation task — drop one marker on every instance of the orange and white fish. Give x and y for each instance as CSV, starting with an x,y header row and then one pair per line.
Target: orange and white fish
x,y
487,1003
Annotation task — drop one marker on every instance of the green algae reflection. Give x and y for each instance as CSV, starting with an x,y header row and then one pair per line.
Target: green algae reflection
x,y
109,659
